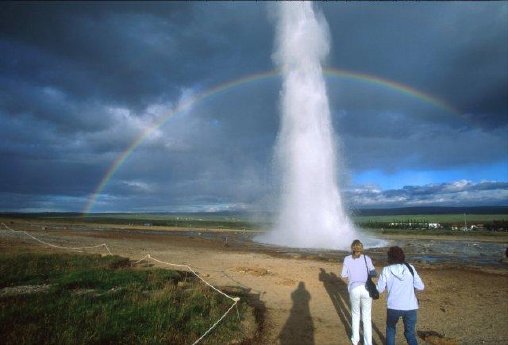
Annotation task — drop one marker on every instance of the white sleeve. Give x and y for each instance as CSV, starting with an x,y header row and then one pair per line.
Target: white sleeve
x,y
381,282
418,283
345,271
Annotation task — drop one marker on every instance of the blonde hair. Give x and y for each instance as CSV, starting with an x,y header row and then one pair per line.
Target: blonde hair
x,y
357,245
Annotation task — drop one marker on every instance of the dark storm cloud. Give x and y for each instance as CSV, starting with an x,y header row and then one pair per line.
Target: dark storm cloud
x,y
132,53
80,82
389,141
456,52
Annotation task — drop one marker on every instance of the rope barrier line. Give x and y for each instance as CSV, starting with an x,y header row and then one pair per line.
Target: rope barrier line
x,y
148,256
234,299
56,246
218,321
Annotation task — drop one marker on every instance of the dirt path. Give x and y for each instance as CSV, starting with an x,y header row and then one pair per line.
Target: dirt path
x,y
305,301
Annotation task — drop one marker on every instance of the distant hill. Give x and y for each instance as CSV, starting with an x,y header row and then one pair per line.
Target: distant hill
x,y
429,210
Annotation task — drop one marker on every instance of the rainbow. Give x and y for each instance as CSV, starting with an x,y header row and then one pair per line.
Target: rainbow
x,y
216,90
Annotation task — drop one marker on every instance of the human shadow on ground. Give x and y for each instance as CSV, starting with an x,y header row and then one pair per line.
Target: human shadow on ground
x,y
299,328
337,290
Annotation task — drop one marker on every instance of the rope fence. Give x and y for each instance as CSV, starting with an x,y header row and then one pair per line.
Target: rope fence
x,y
146,257
79,249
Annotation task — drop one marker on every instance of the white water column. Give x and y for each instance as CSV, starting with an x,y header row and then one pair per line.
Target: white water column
x,y
311,213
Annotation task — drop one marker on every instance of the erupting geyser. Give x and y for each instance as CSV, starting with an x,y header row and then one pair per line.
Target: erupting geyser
x,y
311,214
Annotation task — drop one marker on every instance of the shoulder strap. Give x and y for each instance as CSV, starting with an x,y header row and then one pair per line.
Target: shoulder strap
x,y
410,269
367,267
412,273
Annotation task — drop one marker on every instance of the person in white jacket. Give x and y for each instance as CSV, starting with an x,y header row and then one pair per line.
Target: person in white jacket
x,y
401,281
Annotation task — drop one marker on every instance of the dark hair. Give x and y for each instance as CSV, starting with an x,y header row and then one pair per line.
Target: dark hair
x,y
396,255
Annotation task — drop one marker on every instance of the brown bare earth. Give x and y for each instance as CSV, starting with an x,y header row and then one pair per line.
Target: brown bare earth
x,y
302,300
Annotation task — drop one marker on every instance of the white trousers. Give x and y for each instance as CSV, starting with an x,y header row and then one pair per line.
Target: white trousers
x,y
360,300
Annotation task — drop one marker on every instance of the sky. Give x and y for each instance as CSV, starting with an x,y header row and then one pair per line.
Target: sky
x,y
174,106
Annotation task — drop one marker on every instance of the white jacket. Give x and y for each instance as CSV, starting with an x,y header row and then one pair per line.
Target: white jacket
x,y
400,285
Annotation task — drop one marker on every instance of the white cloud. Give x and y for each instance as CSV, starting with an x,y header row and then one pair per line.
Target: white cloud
x,y
139,186
456,193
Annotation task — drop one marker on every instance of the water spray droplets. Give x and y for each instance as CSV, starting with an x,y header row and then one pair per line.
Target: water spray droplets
x,y
311,214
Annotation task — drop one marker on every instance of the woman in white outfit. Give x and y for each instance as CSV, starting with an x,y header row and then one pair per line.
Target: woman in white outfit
x,y
355,270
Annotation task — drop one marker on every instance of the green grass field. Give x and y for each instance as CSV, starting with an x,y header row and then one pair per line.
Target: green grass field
x,y
184,221
492,221
377,221
89,299
435,218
